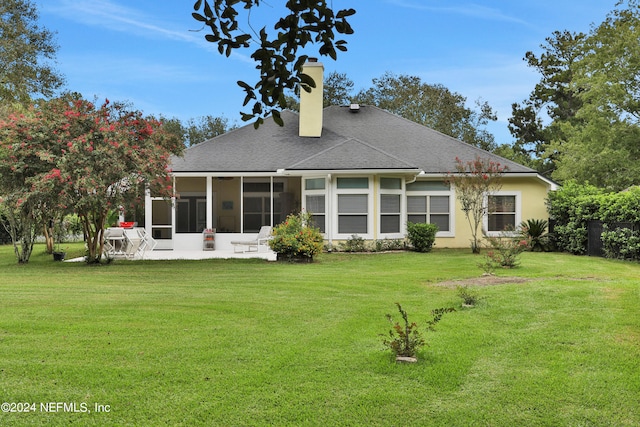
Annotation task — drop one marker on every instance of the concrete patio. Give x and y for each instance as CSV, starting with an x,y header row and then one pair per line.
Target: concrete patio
x,y
217,254
161,255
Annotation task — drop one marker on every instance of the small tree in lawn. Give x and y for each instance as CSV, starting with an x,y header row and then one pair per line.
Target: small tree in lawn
x,y
474,180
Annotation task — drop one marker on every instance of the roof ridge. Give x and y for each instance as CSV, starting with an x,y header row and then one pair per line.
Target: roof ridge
x,y
347,140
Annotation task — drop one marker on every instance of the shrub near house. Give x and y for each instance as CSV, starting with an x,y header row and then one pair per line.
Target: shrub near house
x,y
296,238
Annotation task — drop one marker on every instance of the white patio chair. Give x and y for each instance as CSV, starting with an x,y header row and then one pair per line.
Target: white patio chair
x,y
114,241
134,241
263,237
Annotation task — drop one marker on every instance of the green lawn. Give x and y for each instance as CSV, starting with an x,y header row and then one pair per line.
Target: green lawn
x,y
255,343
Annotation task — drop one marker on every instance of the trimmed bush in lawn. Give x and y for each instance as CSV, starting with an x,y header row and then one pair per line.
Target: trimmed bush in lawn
x,y
422,236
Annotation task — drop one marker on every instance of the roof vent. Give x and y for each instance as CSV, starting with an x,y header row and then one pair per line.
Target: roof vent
x,y
354,108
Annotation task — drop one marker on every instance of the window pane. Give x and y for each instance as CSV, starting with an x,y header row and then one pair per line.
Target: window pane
x,y
352,203
416,204
352,224
353,182
318,222
390,183
314,184
428,186
390,203
442,221
502,204
390,224
315,204
417,219
502,222
439,204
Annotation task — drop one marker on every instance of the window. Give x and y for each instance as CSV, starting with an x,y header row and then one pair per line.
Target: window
x,y
431,202
353,198
352,213
390,205
315,201
502,212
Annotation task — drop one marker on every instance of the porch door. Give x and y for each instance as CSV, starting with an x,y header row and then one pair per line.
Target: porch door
x,y
161,223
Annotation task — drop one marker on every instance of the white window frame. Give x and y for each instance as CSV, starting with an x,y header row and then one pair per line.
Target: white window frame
x,y
369,192
518,214
319,192
401,214
428,193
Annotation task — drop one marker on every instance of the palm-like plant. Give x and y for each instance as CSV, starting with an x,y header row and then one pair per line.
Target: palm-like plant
x,y
535,232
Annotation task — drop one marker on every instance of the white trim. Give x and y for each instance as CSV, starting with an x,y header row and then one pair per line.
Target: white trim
x,y
403,211
318,192
428,194
335,215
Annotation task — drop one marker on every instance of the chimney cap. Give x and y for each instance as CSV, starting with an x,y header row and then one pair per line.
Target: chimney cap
x,y
354,108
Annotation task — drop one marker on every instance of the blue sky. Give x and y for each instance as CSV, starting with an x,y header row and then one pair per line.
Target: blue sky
x,y
150,53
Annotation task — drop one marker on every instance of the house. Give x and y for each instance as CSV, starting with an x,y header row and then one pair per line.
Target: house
x,y
358,169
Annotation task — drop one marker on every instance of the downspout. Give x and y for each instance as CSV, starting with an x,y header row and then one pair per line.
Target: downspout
x,y
415,177
329,211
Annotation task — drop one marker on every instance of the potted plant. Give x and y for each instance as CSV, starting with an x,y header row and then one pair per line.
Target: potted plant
x,y
59,254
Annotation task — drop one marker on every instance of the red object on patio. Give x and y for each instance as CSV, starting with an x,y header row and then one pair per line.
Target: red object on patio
x,y
127,224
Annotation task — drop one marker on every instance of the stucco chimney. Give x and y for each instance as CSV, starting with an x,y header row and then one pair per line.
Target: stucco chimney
x,y
311,102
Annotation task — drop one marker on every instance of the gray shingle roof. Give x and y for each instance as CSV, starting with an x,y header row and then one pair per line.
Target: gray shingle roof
x,y
369,139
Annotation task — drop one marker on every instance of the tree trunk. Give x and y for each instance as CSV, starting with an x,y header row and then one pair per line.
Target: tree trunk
x,y
48,236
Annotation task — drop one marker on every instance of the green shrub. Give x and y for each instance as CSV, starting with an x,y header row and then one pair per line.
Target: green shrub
x,y
469,295
404,339
571,207
534,231
354,244
621,243
296,238
504,251
382,245
421,236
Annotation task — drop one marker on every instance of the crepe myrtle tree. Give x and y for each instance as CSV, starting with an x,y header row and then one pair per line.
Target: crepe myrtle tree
x,y
473,181
25,159
276,54
94,159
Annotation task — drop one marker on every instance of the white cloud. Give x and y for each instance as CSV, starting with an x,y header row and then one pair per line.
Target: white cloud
x,y
469,9
115,17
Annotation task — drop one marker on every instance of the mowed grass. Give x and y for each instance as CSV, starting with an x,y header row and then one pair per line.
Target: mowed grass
x,y
238,343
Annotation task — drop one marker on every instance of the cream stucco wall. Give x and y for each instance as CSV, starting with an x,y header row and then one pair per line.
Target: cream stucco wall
x,y
533,193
